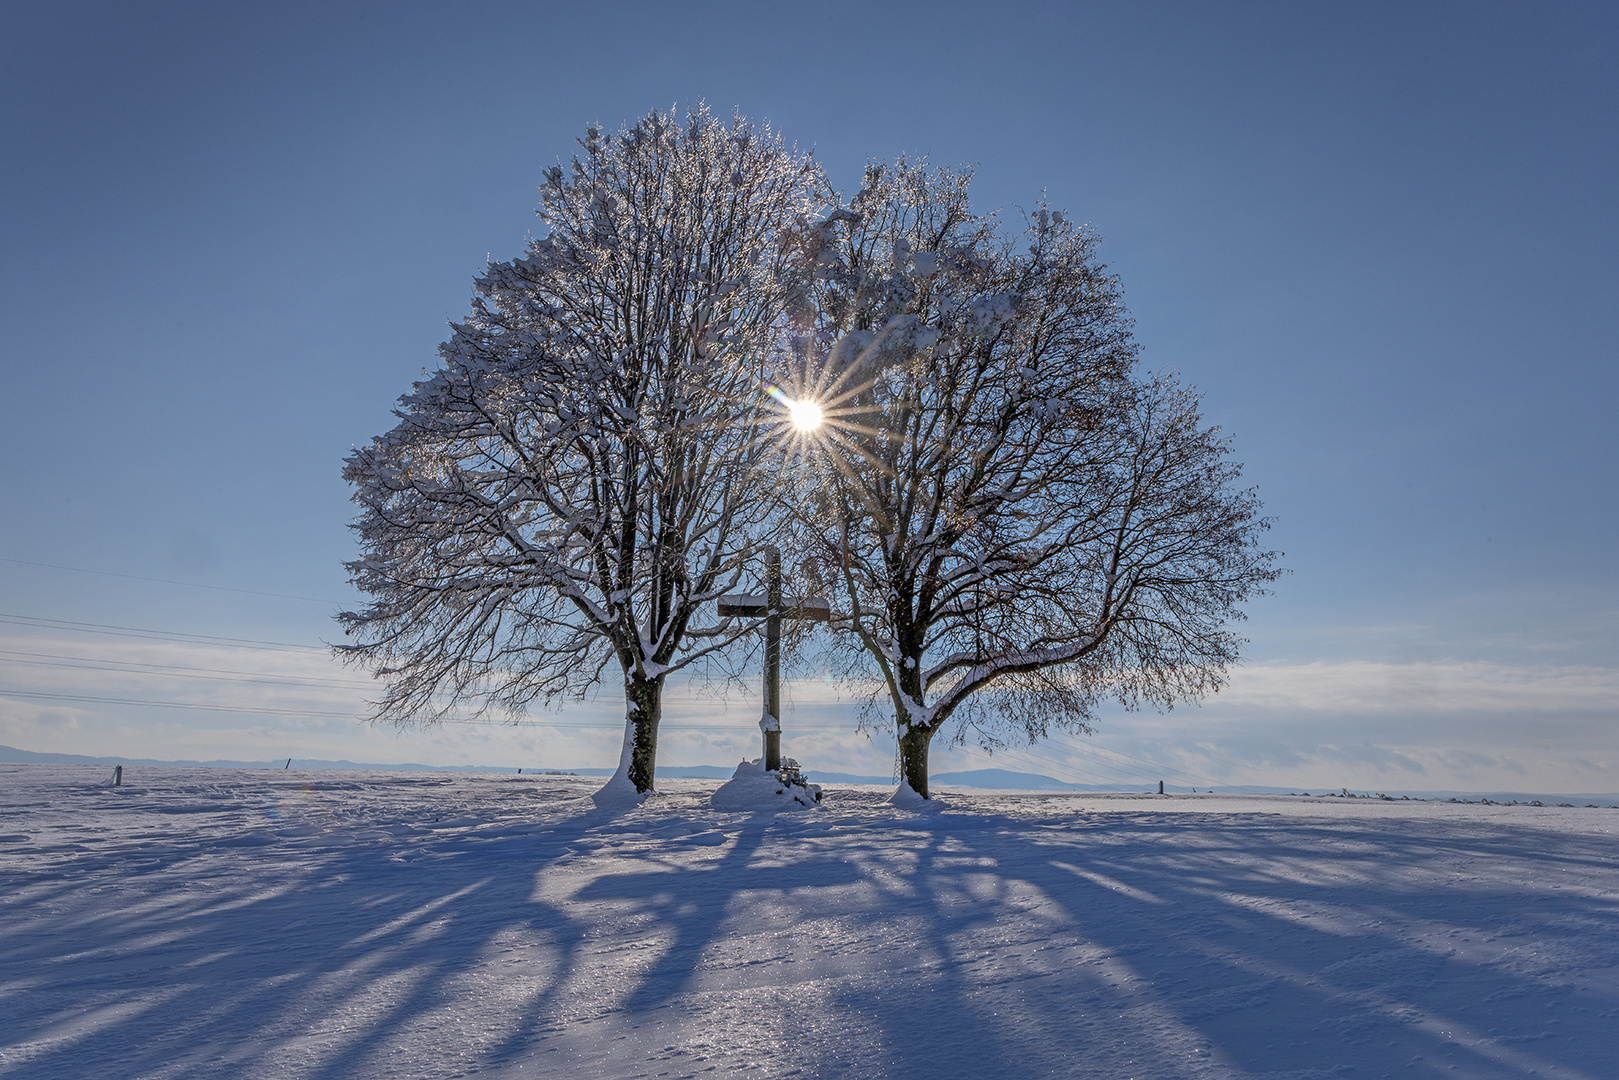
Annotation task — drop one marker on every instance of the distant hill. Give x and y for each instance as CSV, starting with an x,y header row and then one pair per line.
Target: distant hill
x,y
981,778
816,776
998,779
10,755
1007,780
992,779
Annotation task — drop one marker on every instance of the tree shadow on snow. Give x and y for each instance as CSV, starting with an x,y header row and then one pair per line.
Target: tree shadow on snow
x,y
333,954
1174,945
1107,945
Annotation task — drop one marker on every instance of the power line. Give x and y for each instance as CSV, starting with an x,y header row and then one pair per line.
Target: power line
x,y
748,727
1120,772
176,667
1207,781
1198,779
306,713
1152,770
1110,772
143,632
1076,774
171,671
168,581
609,725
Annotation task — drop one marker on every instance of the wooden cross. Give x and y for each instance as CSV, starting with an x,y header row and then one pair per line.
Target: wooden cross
x,y
770,606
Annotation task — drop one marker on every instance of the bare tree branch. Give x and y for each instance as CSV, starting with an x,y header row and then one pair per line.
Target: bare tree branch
x,y
1017,527
580,476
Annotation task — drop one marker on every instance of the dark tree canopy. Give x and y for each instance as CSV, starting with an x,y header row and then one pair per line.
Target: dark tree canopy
x,y
1015,525
578,480
1012,523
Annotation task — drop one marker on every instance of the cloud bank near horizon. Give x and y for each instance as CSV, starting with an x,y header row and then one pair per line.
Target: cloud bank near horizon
x,y
1463,725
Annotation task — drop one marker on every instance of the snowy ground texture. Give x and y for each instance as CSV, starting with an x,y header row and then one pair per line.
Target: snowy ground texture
x,y
209,923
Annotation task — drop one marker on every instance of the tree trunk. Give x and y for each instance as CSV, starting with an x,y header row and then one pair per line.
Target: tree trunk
x,y
913,758
643,700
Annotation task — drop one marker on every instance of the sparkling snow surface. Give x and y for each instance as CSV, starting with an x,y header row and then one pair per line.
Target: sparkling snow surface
x,y
218,923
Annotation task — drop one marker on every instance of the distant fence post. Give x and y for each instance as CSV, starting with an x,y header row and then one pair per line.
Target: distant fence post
x,y
287,766
1160,787
117,775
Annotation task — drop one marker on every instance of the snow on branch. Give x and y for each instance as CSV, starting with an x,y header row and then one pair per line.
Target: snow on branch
x,y
582,473
1016,525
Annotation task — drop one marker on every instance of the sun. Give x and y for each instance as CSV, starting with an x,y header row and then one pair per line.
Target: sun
x,y
806,415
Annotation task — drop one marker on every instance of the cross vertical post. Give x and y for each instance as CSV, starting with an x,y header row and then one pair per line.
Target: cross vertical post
x,y
774,607
771,722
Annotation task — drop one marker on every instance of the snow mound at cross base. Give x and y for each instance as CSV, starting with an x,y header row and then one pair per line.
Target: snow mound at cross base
x,y
751,787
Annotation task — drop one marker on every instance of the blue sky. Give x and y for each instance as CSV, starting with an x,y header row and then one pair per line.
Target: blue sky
x,y
1378,237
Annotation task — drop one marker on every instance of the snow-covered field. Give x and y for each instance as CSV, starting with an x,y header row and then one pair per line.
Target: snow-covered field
x,y
206,923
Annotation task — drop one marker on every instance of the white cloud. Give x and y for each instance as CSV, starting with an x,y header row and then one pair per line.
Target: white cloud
x,y
1388,688
702,725
1361,724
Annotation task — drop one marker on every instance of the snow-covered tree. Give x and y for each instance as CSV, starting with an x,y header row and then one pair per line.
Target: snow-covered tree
x,y
577,482
1014,525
